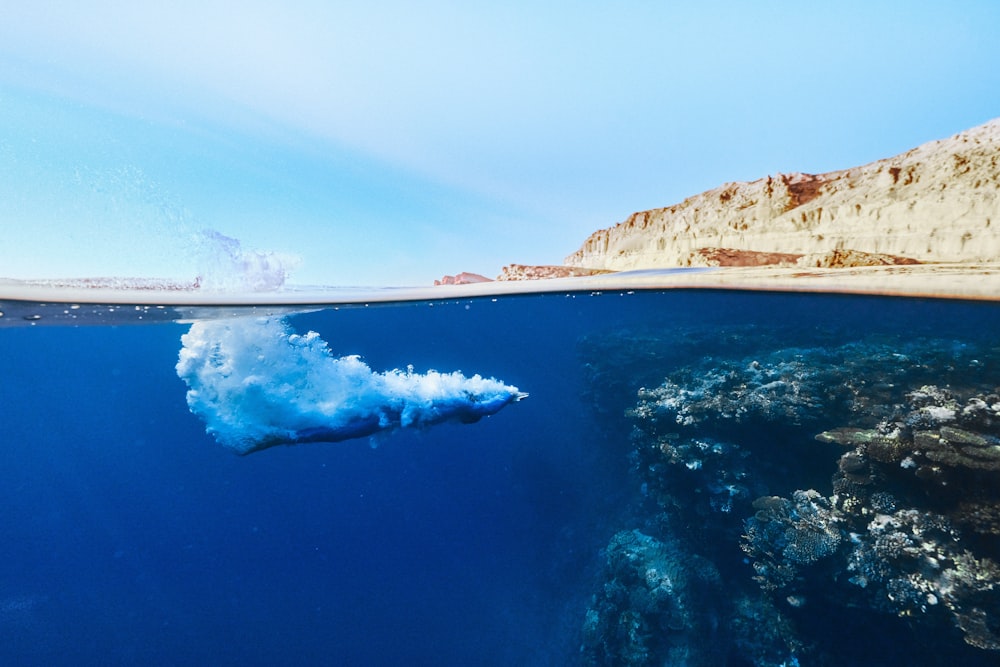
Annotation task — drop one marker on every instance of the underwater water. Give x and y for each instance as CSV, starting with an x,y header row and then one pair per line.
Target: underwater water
x,y
695,477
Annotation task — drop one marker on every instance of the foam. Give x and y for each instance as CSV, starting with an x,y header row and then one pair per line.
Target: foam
x,y
225,265
257,384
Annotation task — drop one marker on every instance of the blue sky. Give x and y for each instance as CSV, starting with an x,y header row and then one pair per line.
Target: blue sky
x,y
390,143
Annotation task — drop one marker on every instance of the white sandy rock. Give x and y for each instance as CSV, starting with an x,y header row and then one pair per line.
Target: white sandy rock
x,y
939,202
543,272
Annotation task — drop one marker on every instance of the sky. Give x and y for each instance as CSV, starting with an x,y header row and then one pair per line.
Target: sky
x,y
390,143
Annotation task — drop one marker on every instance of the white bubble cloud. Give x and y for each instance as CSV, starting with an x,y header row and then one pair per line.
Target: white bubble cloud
x,y
257,384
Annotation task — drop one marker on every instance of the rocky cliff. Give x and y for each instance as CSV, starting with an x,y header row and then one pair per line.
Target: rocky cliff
x,y
939,202
534,272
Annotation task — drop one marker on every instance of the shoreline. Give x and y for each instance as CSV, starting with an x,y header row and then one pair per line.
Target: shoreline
x,y
969,281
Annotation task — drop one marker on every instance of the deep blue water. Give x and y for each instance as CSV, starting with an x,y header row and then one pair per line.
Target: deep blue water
x,y
129,536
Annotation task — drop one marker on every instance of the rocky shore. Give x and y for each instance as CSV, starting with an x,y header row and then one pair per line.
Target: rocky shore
x,y
923,223
939,202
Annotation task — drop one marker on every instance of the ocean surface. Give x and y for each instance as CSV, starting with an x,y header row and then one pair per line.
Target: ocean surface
x,y
659,497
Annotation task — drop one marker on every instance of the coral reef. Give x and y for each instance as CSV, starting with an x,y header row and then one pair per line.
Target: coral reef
x,y
785,535
651,608
926,538
860,481
662,604
795,385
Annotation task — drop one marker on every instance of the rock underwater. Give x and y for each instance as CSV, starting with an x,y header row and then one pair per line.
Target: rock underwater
x,y
813,483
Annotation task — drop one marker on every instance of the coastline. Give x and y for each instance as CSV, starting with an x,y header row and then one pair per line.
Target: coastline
x,y
968,281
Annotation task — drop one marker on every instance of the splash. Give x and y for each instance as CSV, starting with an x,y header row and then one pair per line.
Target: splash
x,y
224,264
257,384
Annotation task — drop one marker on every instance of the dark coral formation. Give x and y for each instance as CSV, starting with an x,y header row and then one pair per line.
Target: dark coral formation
x,y
797,385
660,603
921,509
652,606
891,511
785,535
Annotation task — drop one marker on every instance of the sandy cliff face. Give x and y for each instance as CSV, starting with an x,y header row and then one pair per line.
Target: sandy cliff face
x,y
939,202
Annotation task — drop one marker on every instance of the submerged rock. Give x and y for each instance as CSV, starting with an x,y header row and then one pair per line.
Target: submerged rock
x,y
785,535
909,500
862,480
652,608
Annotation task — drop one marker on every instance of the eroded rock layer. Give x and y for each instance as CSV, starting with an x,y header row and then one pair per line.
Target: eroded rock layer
x,y
939,202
